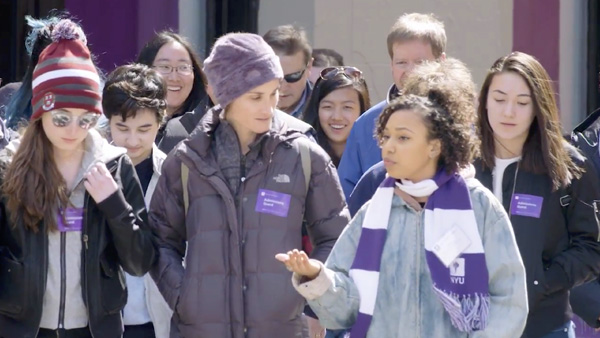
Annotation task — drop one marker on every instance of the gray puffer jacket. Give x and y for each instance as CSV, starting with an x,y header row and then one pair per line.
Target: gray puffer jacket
x,y
231,285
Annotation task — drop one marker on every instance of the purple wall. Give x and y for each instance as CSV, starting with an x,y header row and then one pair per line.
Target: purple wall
x,y
536,31
118,29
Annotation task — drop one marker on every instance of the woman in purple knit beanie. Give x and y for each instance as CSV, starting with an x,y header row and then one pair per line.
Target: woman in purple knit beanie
x,y
235,194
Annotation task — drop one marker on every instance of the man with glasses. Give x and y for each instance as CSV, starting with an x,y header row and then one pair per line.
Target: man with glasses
x,y
295,54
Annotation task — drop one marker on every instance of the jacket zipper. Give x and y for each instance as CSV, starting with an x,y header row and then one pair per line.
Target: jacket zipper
x,y
85,238
512,195
419,214
45,269
241,230
63,280
241,194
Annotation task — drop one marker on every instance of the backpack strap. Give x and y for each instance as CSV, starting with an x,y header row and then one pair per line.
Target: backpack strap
x,y
185,172
306,162
565,200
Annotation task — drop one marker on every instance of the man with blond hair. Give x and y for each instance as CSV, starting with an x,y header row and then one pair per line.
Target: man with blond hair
x,y
413,38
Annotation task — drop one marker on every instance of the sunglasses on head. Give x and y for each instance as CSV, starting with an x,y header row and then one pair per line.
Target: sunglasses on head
x,y
350,72
295,77
62,118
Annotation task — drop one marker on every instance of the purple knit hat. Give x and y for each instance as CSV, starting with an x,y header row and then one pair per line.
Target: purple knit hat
x,y
239,62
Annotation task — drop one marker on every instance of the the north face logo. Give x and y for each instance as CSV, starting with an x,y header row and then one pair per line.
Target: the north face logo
x,y
49,100
282,178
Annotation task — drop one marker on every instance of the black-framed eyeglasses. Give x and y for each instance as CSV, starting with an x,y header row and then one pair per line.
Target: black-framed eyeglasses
x,y
350,72
295,77
63,118
168,69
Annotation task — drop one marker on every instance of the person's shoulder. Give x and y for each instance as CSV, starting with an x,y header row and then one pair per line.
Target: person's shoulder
x,y
477,189
292,122
376,170
303,141
367,120
483,199
318,156
373,112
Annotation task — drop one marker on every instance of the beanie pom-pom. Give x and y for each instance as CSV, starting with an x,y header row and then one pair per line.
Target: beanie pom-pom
x,y
68,30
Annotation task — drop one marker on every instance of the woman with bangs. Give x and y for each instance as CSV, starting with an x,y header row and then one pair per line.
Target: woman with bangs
x,y
340,96
171,55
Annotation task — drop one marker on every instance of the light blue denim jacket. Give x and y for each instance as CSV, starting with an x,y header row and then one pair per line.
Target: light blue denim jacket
x,y
406,304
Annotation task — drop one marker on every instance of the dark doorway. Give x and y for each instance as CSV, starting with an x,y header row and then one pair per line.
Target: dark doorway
x,y
13,30
593,57
224,16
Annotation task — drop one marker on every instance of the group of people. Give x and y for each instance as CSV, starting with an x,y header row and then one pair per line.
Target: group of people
x,y
456,212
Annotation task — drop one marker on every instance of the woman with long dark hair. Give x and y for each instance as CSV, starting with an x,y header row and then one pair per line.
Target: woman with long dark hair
x,y
545,184
340,96
72,210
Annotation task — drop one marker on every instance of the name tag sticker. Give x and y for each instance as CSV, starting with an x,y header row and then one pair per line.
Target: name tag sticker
x,y
73,220
451,245
526,205
273,202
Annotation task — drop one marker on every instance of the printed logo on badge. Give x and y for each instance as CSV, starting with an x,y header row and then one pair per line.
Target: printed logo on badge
x,y
273,202
73,220
526,205
49,100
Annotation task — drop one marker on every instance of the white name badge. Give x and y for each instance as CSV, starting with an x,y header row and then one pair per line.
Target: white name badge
x,y
451,245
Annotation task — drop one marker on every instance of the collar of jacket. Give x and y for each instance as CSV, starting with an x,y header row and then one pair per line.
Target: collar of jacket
x,y
588,129
158,157
195,151
298,111
392,93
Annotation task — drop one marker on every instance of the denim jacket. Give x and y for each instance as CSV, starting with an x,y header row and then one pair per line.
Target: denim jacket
x,y
406,302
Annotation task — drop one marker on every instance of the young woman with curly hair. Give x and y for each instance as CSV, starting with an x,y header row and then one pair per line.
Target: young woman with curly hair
x,y
449,76
433,253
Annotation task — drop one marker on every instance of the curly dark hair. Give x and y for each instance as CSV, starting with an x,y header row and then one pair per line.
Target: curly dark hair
x,y
457,141
130,88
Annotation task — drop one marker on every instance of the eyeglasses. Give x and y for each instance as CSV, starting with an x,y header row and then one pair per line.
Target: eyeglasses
x,y
181,69
295,77
350,72
63,119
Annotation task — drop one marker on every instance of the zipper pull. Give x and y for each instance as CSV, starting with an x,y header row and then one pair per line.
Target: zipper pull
x,y
85,240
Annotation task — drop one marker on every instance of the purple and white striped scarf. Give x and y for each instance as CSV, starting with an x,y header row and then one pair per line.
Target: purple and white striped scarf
x,y
462,287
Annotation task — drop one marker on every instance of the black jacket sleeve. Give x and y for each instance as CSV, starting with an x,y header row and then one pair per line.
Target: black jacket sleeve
x,y
585,301
125,211
580,263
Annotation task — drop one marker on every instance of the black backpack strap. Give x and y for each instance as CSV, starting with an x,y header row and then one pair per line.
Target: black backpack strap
x,y
565,200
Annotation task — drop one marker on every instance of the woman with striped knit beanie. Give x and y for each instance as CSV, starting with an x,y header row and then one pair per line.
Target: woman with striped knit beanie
x,y
72,210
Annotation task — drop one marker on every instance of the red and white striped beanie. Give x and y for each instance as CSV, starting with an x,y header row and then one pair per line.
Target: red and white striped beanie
x,y
65,76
